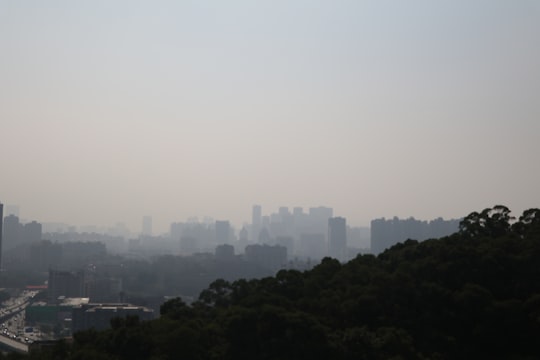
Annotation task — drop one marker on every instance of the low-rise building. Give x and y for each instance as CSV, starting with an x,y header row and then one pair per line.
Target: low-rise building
x,y
99,316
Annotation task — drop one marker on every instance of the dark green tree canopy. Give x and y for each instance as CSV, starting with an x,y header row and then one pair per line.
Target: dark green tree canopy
x,y
490,222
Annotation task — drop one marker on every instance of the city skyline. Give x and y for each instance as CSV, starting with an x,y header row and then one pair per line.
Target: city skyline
x,y
145,227
111,111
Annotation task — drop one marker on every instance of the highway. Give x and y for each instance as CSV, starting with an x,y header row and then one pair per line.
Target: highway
x,y
12,344
9,312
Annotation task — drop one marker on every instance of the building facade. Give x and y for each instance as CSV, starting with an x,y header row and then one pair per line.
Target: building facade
x,y
99,316
337,238
68,284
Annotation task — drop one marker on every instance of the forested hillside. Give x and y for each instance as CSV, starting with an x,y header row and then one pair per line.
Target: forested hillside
x,y
472,295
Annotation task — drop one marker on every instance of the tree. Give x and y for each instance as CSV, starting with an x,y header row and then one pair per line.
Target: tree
x,y
218,293
529,223
491,222
175,308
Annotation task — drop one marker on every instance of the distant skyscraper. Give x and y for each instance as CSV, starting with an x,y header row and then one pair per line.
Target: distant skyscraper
x,y
65,283
385,233
13,232
256,218
223,229
147,225
337,238
1,223
32,232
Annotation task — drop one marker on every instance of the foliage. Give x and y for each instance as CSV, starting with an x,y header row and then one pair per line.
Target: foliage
x,y
474,294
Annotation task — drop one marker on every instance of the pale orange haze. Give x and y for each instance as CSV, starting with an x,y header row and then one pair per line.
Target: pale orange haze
x,y
112,110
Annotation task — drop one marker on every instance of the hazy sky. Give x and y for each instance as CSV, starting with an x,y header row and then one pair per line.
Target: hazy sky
x,y
111,110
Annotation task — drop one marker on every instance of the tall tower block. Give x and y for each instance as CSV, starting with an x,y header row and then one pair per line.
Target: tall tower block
x,y
256,219
337,238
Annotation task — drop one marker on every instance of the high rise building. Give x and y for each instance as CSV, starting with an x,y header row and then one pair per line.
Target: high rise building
x,y
223,229
32,232
13,232
337,238
65,283
99,316
385,233
256,222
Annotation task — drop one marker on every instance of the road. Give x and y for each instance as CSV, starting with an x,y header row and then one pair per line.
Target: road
x,y
12,344
12,312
